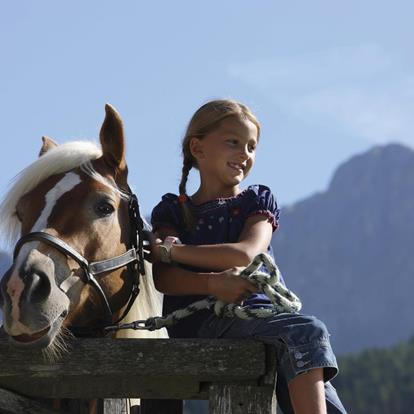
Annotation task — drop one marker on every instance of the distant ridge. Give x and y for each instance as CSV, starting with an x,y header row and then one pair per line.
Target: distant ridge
x,y
348,252
5,262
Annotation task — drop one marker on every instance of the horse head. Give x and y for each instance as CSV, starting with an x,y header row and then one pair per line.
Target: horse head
x,y
71,211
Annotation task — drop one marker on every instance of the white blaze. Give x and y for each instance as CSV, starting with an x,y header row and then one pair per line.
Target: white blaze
x,y
69,181
15,285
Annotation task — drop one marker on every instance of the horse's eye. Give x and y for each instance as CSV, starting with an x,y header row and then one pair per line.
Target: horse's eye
x,y
104,209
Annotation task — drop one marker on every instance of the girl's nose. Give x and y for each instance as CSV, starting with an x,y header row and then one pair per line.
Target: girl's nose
x,y
244,153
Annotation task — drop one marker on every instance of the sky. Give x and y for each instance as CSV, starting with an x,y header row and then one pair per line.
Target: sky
x,y
326,79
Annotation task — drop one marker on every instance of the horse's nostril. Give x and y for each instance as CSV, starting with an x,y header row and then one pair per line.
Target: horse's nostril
x,y
64,314
39,288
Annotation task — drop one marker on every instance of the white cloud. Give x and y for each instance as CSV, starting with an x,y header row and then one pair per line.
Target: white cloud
x,y
364,90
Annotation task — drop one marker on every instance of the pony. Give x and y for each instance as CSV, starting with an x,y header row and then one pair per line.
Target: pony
x,y
80,245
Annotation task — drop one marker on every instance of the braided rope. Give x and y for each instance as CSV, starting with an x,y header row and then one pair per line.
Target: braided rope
x,y
283,300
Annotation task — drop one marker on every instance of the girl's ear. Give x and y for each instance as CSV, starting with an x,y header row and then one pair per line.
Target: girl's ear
x,y
196,148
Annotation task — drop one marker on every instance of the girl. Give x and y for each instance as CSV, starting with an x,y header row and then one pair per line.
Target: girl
x,y
203,241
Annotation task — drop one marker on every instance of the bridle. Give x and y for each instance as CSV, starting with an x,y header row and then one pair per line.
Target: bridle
x,y
133,258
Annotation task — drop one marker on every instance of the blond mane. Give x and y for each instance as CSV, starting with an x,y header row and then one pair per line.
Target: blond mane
x,y
57,160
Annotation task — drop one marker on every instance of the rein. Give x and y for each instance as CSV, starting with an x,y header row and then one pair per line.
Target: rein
x,y
133,258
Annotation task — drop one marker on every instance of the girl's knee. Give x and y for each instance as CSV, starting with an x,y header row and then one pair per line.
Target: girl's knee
x,y
317,330
305,330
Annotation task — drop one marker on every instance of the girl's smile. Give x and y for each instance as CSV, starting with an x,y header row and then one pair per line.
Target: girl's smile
x,y
237,167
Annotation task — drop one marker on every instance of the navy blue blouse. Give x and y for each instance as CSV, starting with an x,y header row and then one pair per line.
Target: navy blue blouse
x,y
216,221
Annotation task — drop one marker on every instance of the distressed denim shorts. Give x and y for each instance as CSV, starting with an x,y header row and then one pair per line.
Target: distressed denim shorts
x,y
302,343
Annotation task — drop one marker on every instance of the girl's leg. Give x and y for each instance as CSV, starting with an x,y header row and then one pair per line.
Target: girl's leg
x,y
302,345
307,392
333,403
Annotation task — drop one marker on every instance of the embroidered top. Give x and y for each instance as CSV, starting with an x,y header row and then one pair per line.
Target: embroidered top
x,y
216,221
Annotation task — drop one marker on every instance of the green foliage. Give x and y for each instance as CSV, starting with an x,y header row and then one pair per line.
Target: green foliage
x,y
379,381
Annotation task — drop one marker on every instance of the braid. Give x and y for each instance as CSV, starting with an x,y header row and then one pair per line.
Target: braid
x,y
187,165
183,199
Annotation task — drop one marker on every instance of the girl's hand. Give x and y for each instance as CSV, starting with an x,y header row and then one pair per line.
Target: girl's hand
x,y
229,287
154,252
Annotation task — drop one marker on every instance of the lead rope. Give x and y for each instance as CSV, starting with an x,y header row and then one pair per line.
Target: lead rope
x,y
283,300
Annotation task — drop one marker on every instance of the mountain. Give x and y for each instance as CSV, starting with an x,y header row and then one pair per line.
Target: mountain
x,y
347,252
5,262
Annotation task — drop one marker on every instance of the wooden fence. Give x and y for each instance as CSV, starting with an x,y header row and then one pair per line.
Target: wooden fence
x,y
236,376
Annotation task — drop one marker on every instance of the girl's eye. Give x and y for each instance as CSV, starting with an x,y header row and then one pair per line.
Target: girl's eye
x,y
232,141
104,209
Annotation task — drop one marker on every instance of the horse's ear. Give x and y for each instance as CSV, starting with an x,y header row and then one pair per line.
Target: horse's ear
x,y
112,139
47,145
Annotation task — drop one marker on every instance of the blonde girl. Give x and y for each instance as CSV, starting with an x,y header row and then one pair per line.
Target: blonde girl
x,y
202,242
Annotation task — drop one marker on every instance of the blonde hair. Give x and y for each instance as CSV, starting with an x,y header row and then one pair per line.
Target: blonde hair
x,y
205,120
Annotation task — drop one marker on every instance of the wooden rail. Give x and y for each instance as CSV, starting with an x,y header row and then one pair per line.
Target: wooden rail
x,y
236,376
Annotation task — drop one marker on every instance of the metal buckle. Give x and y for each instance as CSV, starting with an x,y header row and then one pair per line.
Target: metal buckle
x,y
139,325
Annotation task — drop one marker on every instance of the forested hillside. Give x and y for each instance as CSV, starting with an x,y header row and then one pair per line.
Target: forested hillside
x,y
379,381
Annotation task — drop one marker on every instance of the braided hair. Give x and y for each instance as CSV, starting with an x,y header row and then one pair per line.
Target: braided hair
x,y
205,120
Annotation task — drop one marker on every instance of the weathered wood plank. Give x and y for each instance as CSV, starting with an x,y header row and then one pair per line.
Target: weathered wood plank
x,y
239,399
108,387
114,406
247,399
11,403
134,367
76,406
161,406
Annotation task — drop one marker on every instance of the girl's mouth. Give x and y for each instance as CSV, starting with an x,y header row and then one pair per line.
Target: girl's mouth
x,y
238,167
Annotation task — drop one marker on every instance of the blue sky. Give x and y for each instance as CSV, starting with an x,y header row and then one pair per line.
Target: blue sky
x,y
327,80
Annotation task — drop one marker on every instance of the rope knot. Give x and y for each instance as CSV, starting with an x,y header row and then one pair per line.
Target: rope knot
x,y
283,300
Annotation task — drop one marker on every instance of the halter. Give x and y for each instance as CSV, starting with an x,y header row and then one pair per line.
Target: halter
x,y
133,258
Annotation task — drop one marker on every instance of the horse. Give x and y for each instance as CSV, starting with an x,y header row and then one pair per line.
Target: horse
x,y
79,248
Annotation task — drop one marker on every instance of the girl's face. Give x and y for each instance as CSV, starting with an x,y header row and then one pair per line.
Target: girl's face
x,y
226,155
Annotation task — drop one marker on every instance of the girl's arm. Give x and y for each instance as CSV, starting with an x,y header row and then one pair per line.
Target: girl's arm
x,y
225,284
254,239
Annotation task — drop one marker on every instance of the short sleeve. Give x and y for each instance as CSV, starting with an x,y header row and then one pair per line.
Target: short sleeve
x,y
263,202
166,213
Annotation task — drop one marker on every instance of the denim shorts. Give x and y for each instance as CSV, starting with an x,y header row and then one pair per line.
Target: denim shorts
x,y
302,343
